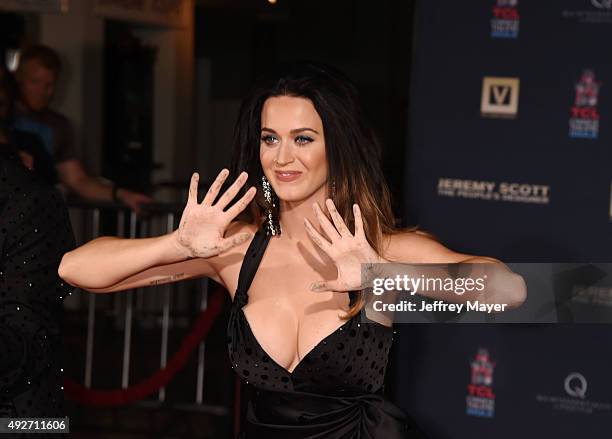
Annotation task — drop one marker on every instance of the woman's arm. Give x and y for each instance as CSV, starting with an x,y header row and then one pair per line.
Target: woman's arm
x,y
423,256
112,264
503,285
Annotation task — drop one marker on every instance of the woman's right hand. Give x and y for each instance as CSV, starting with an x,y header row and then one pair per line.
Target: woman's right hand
x,y
201,230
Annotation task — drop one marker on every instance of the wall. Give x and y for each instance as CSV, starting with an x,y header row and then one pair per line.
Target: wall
x,y
79,37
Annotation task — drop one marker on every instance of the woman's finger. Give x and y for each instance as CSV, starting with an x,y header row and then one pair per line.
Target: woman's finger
x,y
231,192
359,232
332,285
241,204
337,219
327,227
214,189
235,240
317,238
193,189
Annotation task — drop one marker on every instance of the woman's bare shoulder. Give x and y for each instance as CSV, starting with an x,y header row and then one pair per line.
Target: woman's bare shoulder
x,y
417,246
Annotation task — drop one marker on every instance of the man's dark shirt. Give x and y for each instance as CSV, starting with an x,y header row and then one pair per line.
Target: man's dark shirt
x,y
34,234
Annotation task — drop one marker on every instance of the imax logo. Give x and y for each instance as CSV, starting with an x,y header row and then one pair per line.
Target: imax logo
x,y
602,4
499,97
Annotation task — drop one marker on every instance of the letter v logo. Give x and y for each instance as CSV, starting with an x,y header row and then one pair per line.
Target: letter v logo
x,y
499,97
500,94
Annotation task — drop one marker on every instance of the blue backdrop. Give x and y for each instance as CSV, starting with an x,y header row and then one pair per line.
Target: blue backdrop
x,y
511,157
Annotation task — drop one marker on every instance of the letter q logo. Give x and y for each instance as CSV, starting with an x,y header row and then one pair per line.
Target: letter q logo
x,y
576,385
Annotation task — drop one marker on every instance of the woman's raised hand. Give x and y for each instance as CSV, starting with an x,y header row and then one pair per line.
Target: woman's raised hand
x,y
348,251
202,227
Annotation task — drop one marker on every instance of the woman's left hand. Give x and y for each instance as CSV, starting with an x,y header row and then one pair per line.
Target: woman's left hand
x,y
348,251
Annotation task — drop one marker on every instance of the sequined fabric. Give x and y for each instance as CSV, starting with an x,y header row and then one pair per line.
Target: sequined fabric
x,y
35,232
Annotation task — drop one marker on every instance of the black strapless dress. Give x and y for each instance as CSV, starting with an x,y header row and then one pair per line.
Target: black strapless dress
x,y
334,392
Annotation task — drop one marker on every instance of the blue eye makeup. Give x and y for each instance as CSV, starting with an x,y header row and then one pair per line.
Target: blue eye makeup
x,y
268,139
303,140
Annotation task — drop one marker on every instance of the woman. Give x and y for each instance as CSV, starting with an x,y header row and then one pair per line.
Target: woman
x,y
318,209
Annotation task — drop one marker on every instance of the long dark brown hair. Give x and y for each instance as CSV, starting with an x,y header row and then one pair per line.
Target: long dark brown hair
x,y
352,148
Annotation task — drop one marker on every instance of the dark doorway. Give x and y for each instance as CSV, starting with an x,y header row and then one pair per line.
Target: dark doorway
x,y
128,108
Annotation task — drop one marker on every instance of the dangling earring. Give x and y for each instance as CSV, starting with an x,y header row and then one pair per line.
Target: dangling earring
x,y
273,225
333,189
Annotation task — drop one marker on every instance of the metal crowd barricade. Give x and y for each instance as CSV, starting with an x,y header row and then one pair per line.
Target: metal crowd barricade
x,y
86,218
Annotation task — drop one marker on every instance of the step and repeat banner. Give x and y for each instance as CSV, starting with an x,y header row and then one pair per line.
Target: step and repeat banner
x,y
511,157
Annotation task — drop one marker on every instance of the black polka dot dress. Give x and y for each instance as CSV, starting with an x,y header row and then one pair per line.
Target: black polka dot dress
x,y
35,232
334,392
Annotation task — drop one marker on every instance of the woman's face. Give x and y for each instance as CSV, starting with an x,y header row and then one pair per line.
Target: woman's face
x,y
292,148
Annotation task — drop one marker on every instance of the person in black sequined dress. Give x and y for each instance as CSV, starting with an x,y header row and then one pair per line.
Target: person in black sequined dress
x,y
35,232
